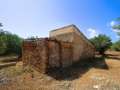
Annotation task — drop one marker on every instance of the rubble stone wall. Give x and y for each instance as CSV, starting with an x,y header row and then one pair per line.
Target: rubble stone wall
x,y
46,53
54,53
35,54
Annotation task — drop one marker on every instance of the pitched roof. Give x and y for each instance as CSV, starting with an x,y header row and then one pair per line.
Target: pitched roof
x,y
76,29
61,28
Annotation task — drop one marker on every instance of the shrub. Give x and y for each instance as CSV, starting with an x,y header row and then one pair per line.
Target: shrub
x,y
9,43
101,43
116,46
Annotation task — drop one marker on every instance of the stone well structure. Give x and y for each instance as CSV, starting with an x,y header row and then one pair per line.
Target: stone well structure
x,y
64,47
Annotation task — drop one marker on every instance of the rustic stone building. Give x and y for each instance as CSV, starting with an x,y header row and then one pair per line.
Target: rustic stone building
x,y
82,48
44,53
64,47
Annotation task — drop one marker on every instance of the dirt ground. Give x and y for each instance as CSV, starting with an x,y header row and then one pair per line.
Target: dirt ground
x,y
103,73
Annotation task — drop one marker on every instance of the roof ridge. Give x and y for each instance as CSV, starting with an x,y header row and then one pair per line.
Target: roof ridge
x,y
71,25
76,28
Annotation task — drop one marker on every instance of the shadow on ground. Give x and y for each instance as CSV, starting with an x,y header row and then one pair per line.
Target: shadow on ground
x,y
78,69
111,56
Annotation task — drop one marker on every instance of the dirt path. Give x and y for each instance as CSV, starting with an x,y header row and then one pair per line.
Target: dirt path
x,y
101,79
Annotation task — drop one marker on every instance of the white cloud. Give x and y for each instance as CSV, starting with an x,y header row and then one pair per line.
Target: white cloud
x,y
116,30
112,23
92,32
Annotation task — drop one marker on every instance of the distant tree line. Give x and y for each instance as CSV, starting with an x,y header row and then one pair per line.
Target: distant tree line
x,y
9,43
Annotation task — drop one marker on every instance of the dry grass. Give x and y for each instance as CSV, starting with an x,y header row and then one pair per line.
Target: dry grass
x,y
101,74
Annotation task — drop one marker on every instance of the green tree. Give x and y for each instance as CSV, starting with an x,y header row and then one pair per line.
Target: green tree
x,y
3,46
9,43
14,44
117,25
101,43
116,46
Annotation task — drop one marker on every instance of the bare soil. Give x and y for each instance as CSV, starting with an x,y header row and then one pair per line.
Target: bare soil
x,y
102,73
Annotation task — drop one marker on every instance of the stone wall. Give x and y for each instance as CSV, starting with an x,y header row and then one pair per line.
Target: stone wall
x,y
67,54
81,49
54,53
46,53
35,54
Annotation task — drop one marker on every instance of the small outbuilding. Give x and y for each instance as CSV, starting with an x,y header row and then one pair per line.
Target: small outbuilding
x,y
64,47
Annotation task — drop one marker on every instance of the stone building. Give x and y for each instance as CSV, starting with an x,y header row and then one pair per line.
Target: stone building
x,y
64,47
82,48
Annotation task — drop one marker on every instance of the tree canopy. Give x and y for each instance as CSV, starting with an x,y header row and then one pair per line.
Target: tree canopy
x,y
101,43
117,25
116,46
9,43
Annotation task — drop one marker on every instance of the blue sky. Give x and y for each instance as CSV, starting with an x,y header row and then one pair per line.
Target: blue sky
x,y
37,17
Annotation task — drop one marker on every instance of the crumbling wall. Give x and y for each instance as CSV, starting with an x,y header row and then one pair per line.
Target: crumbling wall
x,y
35,54
54,53
47,53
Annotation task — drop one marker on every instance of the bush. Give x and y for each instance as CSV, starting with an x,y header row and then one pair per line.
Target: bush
x,y
101,43
9,43
3,48
116,46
